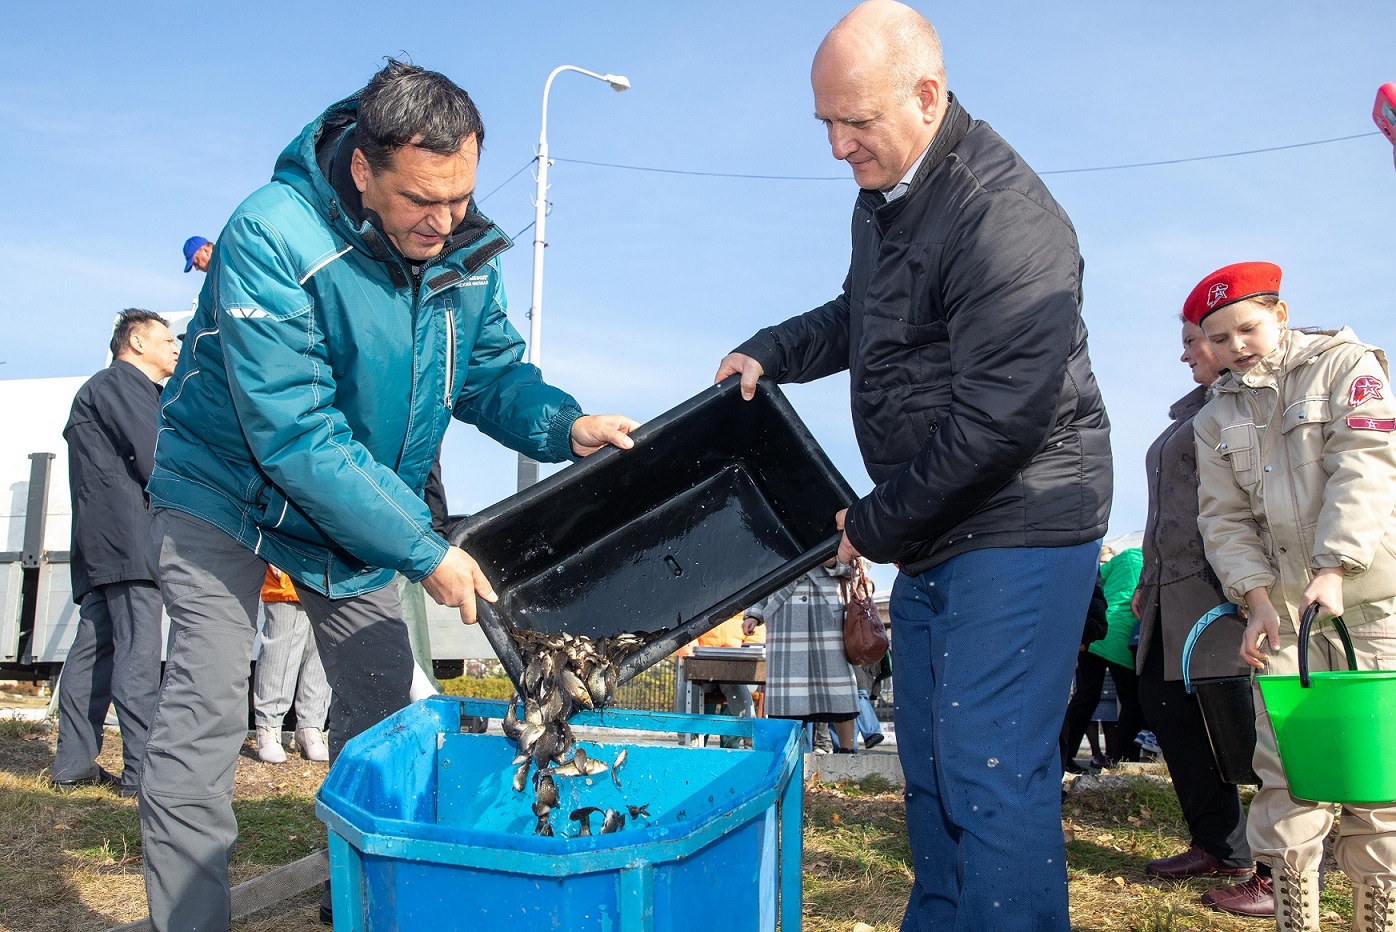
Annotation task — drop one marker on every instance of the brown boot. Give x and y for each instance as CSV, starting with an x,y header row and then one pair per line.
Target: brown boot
x,y
1373,909
1194,862
1296,901
1255,897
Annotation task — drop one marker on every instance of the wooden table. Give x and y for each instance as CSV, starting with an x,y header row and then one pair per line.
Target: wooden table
x,y
750,670
700,672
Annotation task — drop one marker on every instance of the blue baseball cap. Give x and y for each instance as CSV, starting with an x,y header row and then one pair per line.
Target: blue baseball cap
x,y
192,245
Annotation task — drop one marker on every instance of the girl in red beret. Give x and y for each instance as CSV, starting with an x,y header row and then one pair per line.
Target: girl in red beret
x,y
1296,457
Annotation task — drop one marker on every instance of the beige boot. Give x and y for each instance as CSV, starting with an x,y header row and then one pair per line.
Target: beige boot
x,y
1373,909
1296,901
312,744
269,747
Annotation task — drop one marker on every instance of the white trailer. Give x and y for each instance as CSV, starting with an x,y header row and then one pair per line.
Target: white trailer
x,y
38,619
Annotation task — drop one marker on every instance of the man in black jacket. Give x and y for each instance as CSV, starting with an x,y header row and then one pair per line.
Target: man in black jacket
x,y
981,424
115,655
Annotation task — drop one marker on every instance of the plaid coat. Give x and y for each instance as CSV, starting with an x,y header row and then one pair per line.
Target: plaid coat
x,y
807,673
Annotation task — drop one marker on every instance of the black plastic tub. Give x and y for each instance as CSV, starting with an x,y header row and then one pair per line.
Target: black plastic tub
x,y
721,502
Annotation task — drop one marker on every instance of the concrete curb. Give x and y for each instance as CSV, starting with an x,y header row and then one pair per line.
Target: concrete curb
x,y
836,768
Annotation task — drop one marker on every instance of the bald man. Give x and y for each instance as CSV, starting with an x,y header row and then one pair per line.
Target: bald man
x,y
981,424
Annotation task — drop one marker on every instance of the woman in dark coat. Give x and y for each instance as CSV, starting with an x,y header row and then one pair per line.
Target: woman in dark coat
x,y
1176,588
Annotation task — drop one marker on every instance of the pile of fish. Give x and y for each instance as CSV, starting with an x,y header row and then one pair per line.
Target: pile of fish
x,y
564,673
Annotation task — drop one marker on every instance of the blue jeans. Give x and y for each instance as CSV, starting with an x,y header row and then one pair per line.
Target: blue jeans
x,y
985,648
867,716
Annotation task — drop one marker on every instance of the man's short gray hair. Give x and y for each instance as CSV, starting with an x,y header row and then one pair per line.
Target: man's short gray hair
x,y
406,105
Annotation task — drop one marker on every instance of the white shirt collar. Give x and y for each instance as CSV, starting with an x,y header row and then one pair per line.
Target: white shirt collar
x,y
901,187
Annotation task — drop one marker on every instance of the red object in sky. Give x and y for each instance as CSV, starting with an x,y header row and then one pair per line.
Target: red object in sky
x,y
1384,111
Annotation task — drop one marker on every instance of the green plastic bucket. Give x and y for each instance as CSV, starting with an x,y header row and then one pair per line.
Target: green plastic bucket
x,y
1336,731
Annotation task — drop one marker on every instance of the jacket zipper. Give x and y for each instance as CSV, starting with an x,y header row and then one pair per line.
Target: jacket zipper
x,y
450,356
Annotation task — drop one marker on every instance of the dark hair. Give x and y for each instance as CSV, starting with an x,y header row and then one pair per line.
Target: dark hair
x,y
131,320
406,105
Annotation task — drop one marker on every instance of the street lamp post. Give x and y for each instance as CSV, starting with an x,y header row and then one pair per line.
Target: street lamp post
x,y
528,469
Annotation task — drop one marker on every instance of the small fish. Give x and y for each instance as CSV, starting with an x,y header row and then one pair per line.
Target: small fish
x,y
596,685
541,809
528,737
613,822
551,707
616,765
565,744
543,749
546,789
533,675
532,714
575,689
510,723
580,766
582,817
521,777
543,828
638,811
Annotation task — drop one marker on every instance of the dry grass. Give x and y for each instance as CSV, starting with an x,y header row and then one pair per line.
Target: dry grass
x,y
71,862
857,876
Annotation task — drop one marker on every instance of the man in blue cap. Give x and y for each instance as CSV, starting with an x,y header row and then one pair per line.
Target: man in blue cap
x,y
197,252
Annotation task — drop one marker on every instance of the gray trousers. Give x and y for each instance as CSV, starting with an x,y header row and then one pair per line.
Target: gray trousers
x,y
289,666
414,613
115,659
211,586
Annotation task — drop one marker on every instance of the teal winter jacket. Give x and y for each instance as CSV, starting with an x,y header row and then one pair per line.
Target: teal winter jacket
x,y
320,371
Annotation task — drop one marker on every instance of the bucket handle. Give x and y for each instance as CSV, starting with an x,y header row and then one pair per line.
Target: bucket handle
x,y
1226,608
1306,624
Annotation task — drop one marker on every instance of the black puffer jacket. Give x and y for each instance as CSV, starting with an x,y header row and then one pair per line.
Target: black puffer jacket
x,y
973,398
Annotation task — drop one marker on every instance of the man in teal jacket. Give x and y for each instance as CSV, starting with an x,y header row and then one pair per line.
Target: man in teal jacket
x,y
352,306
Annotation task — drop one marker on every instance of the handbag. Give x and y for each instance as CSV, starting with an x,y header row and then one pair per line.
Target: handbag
x,y
864,636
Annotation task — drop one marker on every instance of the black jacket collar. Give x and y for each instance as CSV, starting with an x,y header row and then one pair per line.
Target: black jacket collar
x,y
952,130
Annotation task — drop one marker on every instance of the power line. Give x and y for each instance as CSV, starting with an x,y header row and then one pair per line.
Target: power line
x,y
679,171
1059,171
481,200
1206,158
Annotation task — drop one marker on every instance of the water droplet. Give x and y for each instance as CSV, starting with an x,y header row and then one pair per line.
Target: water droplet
x,y
955,705
1049,860
993,762
973,808
996,904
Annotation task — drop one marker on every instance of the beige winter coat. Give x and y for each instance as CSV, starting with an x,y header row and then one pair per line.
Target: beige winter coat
x,y
1297,471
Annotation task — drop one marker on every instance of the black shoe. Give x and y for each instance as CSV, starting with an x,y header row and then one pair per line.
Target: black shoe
x,y
326,915
844,751
872,741
100,778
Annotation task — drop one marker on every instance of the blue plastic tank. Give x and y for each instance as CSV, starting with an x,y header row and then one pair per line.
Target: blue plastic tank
x,y
427,833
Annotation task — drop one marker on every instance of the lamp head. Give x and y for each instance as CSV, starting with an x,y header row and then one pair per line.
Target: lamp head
x,y
618,82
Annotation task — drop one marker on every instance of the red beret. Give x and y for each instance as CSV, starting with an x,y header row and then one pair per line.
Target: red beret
x,y
1230,284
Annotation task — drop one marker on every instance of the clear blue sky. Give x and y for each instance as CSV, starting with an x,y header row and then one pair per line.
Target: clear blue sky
x,y
125,128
